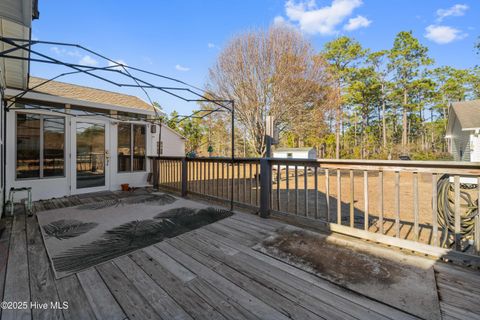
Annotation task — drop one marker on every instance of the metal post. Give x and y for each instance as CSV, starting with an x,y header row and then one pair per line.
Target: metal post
x,y
265,181
155,173
184,176
233,154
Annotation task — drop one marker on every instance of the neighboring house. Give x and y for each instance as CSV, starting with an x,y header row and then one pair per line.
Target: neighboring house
x,y
65,139
295,153
173,144
15,22
463,130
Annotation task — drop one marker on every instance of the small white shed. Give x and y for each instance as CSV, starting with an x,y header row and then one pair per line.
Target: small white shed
x,y
296,153
463,130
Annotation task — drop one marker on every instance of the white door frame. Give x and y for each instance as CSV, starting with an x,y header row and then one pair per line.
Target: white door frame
x,y
73,162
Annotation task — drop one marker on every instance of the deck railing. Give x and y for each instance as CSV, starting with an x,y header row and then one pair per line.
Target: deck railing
x,y
393,202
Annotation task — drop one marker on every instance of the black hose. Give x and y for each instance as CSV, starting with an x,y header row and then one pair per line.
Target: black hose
x,y
446,210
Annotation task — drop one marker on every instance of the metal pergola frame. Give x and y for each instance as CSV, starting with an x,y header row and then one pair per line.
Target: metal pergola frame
x,y
225,105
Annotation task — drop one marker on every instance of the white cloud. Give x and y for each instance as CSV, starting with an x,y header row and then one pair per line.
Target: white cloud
x,y
182,68
278,20
60,51
356,23
454,11
443,34
56,50
211,45
73,53
88,61
118,62
322,20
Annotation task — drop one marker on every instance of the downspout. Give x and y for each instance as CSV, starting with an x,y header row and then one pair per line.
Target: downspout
x,y
4,164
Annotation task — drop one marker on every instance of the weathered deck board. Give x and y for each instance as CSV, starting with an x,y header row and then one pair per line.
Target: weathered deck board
x,y
236,293
70,290
208,273
289,273
273,272
131,300
184,296
42,280
100,298
151,291
17,286
4,250
268,292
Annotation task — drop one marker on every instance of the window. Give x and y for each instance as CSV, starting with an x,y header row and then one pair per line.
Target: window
x,y
124,147
40,146
131,147
289,155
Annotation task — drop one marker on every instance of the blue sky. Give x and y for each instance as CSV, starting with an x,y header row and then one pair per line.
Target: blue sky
x,y
183,38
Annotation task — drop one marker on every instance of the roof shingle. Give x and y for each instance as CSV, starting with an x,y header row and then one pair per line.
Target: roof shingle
x,y
468,113
73,91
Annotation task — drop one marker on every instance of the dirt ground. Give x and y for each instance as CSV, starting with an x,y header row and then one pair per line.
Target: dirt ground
x,y
207,178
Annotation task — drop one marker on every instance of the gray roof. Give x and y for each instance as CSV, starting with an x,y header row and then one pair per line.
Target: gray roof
x,y
293,149
467,113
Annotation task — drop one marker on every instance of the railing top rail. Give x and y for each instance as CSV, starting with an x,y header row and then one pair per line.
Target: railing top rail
x,y
393,163
452,167
212,159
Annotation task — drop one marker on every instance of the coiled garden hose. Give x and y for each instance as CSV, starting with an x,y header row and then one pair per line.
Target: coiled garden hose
x,y
446,210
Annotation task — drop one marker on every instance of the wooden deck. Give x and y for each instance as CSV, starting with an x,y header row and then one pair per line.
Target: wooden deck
x,y
209,273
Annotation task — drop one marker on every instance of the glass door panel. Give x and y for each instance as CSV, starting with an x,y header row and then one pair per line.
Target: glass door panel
x,y
90,155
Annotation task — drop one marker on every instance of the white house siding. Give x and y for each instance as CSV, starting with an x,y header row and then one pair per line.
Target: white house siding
x,y
296,154
173,143
460,143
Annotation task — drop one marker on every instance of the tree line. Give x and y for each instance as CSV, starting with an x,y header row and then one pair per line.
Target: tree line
x,y
346,100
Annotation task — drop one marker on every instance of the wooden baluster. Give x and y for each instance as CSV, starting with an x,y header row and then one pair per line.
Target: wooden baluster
x,y
476,235
257,190
365,199
165,173
305,189
339,197
204,177
457,226
287,185
209,178
228,181
278,187
244,182
352,200
296,189
178,184
174,174
250,197
415,206
381,204
397,204
238,182
168,173
327,193
217,178
315,172
434,210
